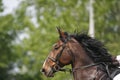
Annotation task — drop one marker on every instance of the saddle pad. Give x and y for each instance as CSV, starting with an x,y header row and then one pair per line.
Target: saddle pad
x,y
117,77
118,58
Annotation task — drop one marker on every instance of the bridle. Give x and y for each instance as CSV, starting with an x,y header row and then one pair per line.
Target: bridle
x,y
58,65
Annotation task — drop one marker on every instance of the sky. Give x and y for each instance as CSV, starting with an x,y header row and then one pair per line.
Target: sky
x,y
10,6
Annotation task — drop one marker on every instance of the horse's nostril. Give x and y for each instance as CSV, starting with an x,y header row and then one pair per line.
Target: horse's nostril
x,y
43,70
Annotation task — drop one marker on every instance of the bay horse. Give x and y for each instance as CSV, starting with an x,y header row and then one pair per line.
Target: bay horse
x,y
88,57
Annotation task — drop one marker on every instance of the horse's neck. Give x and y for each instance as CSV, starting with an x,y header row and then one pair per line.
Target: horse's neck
x,y
81,71
82,59
85,73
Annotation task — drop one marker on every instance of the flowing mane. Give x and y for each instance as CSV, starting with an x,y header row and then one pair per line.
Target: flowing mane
x,y
94,48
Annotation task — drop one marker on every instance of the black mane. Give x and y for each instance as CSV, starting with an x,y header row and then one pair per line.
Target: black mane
x,y
94,48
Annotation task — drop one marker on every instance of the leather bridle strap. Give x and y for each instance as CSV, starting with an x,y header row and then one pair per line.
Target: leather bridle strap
x,y
82,67
56,60
59,55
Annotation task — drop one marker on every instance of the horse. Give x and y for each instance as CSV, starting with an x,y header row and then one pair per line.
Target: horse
x,y
88,57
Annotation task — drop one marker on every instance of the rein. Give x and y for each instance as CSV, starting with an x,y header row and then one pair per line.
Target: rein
x,y
82,67
87,66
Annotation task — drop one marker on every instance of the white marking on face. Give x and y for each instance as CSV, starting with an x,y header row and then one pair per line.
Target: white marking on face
x,y
44,63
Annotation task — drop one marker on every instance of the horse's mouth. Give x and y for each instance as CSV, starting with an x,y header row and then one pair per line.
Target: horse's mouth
x,y
51,71
50,74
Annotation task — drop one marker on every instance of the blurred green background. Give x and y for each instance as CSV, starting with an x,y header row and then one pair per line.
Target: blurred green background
x,y
27,34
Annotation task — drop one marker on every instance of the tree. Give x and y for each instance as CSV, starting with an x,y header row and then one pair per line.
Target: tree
x,y
1,6
37,21
91,19
107,23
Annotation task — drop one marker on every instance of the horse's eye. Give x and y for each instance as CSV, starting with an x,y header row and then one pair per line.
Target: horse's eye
x,y
56,46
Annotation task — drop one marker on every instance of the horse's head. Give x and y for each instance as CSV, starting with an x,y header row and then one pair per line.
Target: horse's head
x,y
59,56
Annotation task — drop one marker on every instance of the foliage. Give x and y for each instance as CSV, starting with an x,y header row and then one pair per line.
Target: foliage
x,y
27,35
1,6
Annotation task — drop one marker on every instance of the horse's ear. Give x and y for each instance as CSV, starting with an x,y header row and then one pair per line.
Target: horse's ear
x,y
63,35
